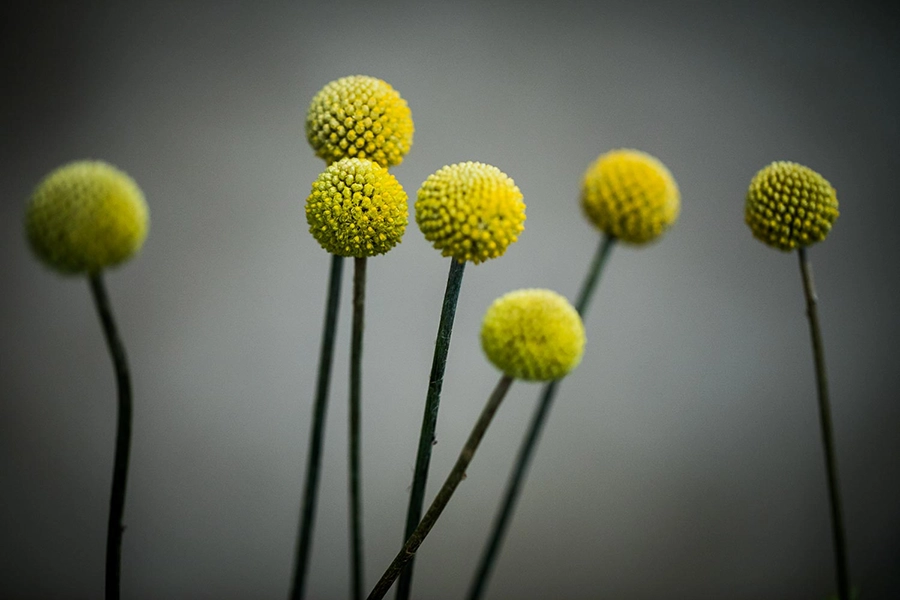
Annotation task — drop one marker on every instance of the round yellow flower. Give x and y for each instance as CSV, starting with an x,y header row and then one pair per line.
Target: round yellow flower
x,y
356,208
86,216
359,117
470,211
789,205
533,334
630,195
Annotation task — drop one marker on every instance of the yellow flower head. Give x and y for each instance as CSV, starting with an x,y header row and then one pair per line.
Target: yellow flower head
x,y
86,216
356,208
533,334
470,211
789,205
630,195
359,117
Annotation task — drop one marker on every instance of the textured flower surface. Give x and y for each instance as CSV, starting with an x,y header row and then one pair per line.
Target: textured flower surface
x,y
789,205
470,211
533,334
359,117
356,208
630,195
86,216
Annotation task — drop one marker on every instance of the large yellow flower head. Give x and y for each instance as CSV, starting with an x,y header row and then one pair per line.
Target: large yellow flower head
x,y
356,208
86,216
789,205
470,211
533,334
359,117
630,195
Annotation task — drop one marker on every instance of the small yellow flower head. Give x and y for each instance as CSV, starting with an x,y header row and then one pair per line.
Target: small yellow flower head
x,y
630,195
359,117
356,208
533,334
86,216
470,211
789,205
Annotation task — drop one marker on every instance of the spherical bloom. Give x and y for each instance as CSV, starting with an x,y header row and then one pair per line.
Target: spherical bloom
x,y
533,334
359,117
356,208
630,195
470,211
86,216
789,205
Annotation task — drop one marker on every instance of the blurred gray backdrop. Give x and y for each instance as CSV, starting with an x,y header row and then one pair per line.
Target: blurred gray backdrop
x,y
682,460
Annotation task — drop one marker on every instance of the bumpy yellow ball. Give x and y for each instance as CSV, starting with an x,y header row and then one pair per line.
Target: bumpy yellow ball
x,y
533,334
470,211
86,216
630,195
356,208
789,206
359,117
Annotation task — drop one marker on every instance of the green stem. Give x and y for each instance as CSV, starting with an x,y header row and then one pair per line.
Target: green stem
x,y
314,459
359,304
526,451
837,520
115,528
457,474
429,420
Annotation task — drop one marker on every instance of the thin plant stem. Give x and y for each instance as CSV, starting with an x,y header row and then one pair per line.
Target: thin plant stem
x,y
115,528
457,474
837,519
356,347
314,459
526,451
429,420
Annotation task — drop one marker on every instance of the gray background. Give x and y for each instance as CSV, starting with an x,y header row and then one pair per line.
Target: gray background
x,y
682,460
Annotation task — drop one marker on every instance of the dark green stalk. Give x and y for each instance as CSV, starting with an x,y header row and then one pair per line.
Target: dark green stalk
x,y
356,345
457,474
837,519
314,460
115,528
429,420
526,451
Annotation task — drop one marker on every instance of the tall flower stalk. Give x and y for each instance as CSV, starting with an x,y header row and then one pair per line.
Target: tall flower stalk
x,y
317,430
360,126
531,334
356,208
354,434
471,212
83,218
790,207
627,194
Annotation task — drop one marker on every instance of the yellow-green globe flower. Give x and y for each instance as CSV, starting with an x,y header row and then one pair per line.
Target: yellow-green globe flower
x,y
356,208
86,216
359,117
470,211
533,334
630,195
789,206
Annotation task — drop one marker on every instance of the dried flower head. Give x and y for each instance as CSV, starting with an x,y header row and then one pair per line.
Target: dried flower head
x,y
533,334
356,208
86,216
359,117
630,195
470,211
789,205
